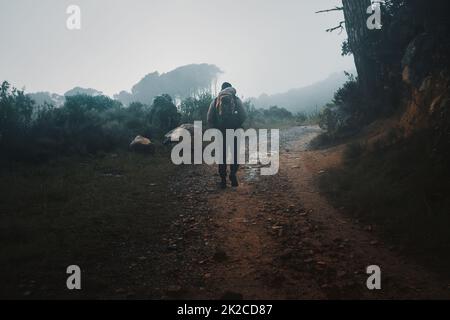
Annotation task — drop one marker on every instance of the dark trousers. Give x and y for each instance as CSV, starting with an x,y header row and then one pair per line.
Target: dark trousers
x,y
234,167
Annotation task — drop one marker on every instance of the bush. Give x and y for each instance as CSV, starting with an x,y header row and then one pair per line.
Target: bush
x,y
301,117
83,125
164,114
272,117
195,109
16,111
347,112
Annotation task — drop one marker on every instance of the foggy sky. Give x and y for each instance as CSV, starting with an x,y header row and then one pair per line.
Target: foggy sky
x,y
263,46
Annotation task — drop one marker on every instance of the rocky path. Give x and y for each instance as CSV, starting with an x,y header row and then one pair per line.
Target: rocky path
x,y
277,237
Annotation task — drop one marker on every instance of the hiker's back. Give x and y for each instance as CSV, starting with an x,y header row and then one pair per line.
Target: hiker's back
x,y
227,112
227,109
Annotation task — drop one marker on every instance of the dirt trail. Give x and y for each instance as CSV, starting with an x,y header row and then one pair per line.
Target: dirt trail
x,y
277,237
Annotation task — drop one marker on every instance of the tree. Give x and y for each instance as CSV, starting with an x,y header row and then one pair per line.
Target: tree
x,y
16,111
195,109
82,91
359,43
164,114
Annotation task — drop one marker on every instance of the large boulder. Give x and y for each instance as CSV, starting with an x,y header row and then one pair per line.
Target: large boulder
x,y
142,144
175,135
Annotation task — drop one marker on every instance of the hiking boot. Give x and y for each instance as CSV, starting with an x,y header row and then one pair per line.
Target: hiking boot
x,y
234,181
223,183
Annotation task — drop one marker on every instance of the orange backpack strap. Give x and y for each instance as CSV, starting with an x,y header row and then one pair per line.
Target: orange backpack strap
x,y
217,103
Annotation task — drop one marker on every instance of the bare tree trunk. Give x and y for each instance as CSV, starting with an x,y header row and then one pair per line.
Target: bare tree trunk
x,y
355,13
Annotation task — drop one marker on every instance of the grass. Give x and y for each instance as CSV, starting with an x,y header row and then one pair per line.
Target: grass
x,y
401,187
91,212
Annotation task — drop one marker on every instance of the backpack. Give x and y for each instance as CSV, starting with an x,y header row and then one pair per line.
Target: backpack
x,y
227,111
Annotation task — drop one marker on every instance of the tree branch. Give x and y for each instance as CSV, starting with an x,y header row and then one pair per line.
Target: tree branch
x,y
340,26
329,10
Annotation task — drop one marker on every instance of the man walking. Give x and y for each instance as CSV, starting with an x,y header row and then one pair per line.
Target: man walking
x,y
227,112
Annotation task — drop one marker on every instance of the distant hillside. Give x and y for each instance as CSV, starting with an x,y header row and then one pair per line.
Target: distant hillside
x,y
304,99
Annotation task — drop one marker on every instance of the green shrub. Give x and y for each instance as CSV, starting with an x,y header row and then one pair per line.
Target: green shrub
x,y
16,111
82,125
164,114
195,109
347,112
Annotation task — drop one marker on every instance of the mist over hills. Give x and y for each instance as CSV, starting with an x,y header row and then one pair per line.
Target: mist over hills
x,y
194,79
305,99
182,82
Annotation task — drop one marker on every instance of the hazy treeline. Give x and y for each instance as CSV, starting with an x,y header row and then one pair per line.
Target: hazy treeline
x,y
86,124
83,124
180,83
